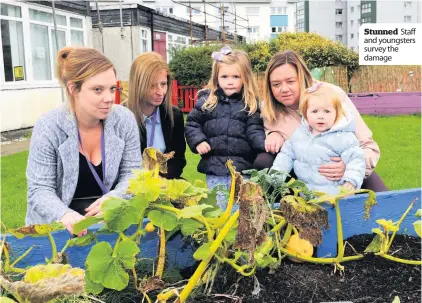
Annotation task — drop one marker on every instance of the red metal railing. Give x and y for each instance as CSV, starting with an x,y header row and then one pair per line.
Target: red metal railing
x,y
117,97
184,96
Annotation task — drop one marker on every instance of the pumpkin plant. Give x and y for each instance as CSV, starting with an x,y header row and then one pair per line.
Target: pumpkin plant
x,y
259,234
382,241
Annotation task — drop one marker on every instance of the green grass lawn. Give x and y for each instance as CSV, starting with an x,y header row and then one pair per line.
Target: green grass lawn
x,y
399,139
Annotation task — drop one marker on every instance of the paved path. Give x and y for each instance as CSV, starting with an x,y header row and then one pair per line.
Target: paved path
x,y
13,142
13,147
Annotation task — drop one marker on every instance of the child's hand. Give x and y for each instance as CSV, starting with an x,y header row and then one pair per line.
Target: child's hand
x,y
349,186
203,148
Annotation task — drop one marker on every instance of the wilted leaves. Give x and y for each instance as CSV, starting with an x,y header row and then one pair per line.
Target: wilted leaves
x,y
309,219
151,157
43,283
36,230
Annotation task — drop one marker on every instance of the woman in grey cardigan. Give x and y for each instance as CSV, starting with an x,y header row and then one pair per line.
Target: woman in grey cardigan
x,y
83,152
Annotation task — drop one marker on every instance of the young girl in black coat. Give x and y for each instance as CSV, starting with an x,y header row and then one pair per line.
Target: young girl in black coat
x,y
225,122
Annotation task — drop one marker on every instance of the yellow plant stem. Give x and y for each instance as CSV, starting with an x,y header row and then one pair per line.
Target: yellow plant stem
x,y
7,264
340,245
220,221
398,225
6,254
308,259
21,257
241,269
295,232
204,263
53,247
400,260
210,232
287,234
319,260
135,278
165,296
117,244
279,226
162,253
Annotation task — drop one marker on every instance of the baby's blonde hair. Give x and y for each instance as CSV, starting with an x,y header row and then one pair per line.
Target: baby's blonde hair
x,y
323,92
240,58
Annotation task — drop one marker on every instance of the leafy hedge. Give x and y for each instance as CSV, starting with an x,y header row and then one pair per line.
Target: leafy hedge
x,y
192,66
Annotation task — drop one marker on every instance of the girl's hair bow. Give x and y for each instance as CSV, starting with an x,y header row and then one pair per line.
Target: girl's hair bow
x,y
314,87
219,56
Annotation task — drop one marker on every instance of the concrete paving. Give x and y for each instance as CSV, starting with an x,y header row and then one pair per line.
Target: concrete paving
x,y
15,141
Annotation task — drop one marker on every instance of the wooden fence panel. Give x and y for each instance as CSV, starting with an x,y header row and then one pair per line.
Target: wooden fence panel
x,y
386,78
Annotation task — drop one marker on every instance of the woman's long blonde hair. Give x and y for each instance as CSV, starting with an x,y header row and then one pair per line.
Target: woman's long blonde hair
x,y
143,71
271,107
240,58
76,65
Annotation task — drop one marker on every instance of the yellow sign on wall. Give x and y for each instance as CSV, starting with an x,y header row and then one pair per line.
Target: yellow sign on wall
x,y
19,74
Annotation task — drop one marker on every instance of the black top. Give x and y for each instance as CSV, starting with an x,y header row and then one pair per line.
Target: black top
x,y
87,188
174,137
87,185
229,130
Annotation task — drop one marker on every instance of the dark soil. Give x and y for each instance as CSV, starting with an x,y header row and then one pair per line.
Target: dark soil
x,y
372,279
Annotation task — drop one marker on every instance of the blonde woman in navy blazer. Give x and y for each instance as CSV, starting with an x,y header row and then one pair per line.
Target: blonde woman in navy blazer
x,y
161,124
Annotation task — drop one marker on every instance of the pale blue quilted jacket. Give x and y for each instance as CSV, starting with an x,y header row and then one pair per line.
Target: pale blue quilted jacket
x,y
305,153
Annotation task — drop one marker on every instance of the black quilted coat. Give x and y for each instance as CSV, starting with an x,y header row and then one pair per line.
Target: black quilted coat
x,y
228,129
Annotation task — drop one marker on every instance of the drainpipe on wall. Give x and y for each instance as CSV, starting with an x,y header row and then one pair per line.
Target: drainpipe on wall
x,y
152,30
121,20
57,41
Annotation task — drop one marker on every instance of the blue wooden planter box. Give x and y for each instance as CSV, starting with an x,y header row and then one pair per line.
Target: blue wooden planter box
x,y
390,205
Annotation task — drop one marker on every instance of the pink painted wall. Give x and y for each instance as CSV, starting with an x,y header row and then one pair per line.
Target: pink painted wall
x,y
402,103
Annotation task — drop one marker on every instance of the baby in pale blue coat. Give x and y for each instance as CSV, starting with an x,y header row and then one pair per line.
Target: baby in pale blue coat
x,y
327,131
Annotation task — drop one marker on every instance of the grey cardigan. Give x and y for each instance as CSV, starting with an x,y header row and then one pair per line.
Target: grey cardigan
x,y
53,163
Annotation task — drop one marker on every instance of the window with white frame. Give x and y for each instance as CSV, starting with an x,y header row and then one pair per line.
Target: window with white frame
x,y
278,10
165,9
407,19
253,29
252,11
339,24
339,11
278,29
352,36
366,8
39,42
352,9
144,40
195,10
12,43
339,38
175,42
408,4
352,22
